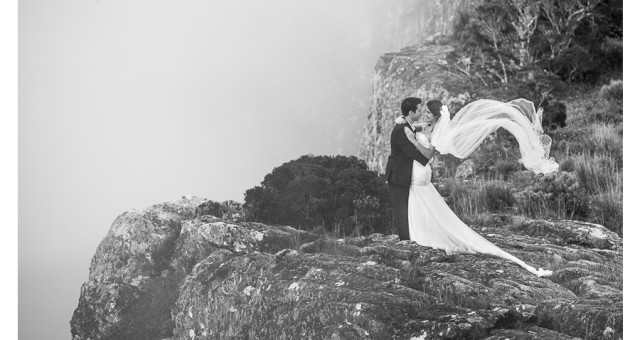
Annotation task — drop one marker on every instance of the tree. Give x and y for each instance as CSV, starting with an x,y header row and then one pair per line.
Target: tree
x,y
577,40
524,15
335,192
560,18
491,25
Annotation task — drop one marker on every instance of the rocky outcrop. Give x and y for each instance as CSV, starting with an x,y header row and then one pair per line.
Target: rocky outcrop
x,y
138,268
167,272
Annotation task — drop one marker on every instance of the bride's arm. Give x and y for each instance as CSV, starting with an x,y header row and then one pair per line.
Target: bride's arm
x,y
427,152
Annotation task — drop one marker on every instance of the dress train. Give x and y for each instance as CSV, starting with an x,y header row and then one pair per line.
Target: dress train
x,y
433,224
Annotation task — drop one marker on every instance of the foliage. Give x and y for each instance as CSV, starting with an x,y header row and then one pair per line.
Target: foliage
x,y
505,168
445,166
497,197
606,209
593,127
522,179
612,91
557,194
597,174
598,36
587,143
370,212
503,41
471,199
229,210
232,205
607,112
497,156
554,115
567,165
336,192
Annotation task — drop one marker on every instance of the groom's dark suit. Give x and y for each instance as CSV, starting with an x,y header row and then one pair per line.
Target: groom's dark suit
x,y
398,174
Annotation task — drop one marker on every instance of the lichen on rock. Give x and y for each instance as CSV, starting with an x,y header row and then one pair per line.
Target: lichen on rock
x,y
165,272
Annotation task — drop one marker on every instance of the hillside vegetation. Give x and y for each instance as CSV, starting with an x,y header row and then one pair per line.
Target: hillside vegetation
x,y
565,56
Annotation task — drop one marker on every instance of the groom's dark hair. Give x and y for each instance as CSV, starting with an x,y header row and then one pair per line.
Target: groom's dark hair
x,y
434,106
410,105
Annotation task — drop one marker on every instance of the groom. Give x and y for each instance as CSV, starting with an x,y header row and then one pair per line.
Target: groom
x,y
400,164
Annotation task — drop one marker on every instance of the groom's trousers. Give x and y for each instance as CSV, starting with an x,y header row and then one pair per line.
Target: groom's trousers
x,y
400,203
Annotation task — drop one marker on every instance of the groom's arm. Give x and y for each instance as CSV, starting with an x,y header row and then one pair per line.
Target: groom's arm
x,y
408,148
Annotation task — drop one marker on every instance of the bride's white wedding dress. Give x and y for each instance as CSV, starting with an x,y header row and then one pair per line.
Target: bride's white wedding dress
x,y
432,223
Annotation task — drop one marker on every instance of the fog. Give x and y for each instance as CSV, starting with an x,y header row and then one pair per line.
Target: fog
x,y
124,104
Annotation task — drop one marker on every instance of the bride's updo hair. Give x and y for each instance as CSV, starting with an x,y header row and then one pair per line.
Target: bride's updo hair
x,y
434,106
409,105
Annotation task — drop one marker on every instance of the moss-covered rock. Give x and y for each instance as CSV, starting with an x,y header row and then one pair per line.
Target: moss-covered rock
x,y
163,272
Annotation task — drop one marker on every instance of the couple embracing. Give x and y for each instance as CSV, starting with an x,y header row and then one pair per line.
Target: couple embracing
x,y
420,213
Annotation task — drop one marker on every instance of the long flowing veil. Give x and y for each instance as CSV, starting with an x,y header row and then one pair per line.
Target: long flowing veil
x,y
461,135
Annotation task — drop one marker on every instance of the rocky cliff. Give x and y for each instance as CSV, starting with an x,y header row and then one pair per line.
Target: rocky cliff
x,y
176,271
418,71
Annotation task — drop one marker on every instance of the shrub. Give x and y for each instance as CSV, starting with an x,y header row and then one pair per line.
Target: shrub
x,y
613,51
497,197
369,213
445,166
596,139
554,115
597,174
533,203
568,141
470,200
567,164
497,155
596,106
605,140
558,194
335,192
521,179
462,198
608,107
228,210
608,112
444,186
452,191
505,168
467,203
612,91
606,209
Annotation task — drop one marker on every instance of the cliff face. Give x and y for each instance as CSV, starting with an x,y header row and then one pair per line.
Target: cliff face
x,y
175,271
416,71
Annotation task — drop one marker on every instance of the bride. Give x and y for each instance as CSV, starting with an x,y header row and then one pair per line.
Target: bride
x,y
431,222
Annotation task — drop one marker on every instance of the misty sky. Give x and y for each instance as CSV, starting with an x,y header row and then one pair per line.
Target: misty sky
x,y
124,104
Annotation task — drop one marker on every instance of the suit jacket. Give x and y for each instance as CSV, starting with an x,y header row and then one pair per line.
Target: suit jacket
x,y
403,153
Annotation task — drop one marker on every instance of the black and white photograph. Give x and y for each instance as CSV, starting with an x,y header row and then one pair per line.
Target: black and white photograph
x,y
319,169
